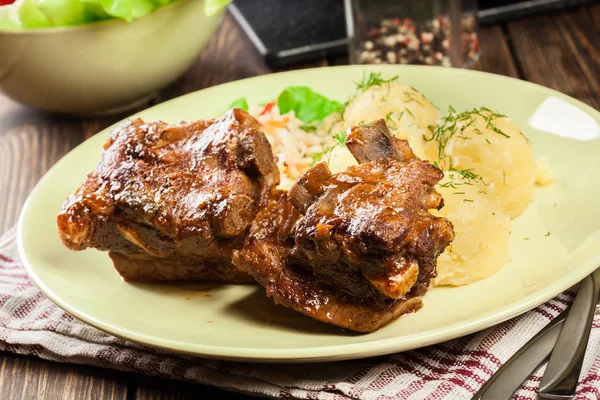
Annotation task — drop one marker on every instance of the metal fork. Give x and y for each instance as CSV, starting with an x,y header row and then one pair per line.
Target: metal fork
x,y
511,375
564,368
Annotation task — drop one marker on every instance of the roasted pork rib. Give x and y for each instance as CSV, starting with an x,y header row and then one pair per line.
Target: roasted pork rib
x,y
198,201
171,202
365,249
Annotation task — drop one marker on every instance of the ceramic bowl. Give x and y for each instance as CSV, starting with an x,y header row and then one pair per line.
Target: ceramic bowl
x,y
106,66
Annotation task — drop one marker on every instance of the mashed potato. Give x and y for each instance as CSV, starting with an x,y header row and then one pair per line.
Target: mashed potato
x,y
544,175
340,159
492,146
480,246
408,113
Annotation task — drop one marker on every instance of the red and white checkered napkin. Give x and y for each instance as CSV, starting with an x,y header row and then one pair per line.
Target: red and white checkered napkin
x,y
31,324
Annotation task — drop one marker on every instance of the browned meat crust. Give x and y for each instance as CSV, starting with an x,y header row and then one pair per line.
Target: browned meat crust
x,y
292,286
365,250
171,202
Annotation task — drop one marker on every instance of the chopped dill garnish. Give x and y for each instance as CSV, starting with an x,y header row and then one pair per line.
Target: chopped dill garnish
x,y
495,129
488,140
423,96
450,184
526,238
547,234
468,175
410,113
461,177
469,124
390,122
467,201
369,79
373,79
526,138
458,193
454,124
319,156
503,177
340,138
409,96
384,133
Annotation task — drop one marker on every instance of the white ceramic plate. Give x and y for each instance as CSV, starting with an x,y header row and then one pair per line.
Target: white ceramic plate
x,y
240,323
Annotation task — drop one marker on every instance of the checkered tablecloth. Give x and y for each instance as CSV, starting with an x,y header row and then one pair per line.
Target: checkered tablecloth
x,y
31,324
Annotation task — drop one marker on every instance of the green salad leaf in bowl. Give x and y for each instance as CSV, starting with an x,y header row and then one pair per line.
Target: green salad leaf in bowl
x,y
32,14
91,57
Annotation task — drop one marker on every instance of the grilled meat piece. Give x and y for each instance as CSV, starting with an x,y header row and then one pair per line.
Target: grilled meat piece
x,y
171,202
365,250
373,219
290,284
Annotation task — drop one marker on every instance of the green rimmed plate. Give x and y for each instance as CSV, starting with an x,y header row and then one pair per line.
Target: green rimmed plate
x,y
240,323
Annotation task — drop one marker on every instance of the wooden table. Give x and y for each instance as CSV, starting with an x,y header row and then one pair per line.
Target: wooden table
x,y
559,50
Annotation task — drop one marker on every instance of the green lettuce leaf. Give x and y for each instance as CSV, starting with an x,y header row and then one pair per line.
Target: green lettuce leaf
x,y
46,13
240,103
125,9
211,7
9,18
49,13
308,105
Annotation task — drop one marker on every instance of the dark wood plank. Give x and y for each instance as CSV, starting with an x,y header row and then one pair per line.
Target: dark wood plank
x,y
164,389
582,34
27,378
495,53
553,51
30,143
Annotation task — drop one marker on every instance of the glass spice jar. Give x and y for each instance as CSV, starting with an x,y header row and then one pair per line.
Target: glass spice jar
x,y
423,32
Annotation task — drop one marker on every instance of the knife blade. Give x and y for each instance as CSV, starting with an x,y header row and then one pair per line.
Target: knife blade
x,y
511,375
562,373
